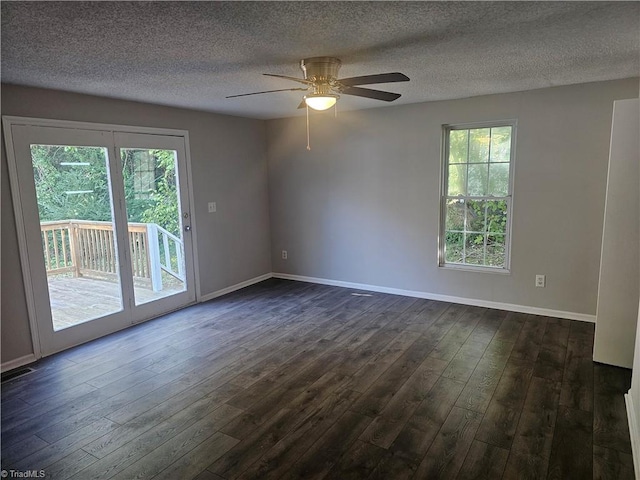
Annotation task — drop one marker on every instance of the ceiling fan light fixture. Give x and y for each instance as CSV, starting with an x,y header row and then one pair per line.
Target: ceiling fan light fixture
x,y
321,101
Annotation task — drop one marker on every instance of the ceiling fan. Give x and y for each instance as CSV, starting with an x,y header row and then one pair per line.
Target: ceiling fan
x,y
324,88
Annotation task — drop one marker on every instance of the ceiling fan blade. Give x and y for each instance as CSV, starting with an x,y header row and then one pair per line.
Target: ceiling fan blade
x,y
268,91
370,79
370,93
299,80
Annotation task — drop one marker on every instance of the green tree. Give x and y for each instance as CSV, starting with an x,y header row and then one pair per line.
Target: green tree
x,y
153,199
73,183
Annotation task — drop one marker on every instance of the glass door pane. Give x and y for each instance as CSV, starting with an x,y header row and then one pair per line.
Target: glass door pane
x,y
154,222
75,207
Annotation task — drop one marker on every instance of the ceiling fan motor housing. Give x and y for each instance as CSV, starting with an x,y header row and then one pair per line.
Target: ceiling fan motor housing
x,y
321,70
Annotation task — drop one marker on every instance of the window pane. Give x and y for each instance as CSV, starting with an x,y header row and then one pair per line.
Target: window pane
x,y
455,215
495,250
479,139
497,216
500,144
478,179
456,184
474,245
475,215
458,146
454,247
153,212
499,179
73,190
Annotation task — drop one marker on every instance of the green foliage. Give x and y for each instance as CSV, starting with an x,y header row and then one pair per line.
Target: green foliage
x,y
475,232
159,202
150,187
59,171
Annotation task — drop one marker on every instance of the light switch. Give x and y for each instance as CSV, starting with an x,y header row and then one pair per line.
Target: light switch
x,y
212,207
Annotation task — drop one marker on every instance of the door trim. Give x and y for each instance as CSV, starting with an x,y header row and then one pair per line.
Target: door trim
x,y
8,122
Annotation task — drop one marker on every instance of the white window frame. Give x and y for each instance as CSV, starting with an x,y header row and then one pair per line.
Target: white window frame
x,y
446,128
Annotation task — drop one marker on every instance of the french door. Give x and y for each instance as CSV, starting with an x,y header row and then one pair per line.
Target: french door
x,y
105,227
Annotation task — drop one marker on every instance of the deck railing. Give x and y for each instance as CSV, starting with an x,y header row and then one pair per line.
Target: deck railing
x,y
87,248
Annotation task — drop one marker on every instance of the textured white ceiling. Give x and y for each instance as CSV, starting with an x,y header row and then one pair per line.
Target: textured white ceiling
x,y
193,54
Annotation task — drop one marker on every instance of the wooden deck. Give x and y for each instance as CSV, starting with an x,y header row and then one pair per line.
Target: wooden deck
x,y
76,300
288,380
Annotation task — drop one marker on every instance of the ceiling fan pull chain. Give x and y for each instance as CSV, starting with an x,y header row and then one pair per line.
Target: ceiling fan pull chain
x,y
308,143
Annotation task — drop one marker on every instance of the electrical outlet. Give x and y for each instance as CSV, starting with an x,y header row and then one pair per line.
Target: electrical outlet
x,y
284,254
212,207
541,280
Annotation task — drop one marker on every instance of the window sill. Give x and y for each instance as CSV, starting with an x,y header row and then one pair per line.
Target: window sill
x,y
470,268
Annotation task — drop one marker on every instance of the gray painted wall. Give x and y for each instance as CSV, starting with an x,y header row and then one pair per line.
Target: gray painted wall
x,y
228,163
363,205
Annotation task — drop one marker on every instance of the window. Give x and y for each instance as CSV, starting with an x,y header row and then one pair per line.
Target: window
x,y
476,196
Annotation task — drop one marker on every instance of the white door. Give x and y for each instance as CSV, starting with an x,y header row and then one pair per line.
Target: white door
x,y
105,229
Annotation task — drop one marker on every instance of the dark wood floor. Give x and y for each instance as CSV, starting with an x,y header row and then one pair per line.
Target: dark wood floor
x,y
291,380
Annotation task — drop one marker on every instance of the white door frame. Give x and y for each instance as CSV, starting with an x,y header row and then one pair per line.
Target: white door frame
x,y
8,122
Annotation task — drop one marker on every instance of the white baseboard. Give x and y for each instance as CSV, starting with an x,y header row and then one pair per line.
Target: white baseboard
x,y
18,362
634,433
444,298
233,288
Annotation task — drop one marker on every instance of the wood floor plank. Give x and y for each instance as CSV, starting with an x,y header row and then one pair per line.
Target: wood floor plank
x,y
483,461
207,475
610,426
372,370
458,334
357,462
69,465
52,453
129,451
286,379
307,387
100,402
577,381
385,427
175,448
185,408
501,418
498,425
449,449
416,437
478,391
394,467
530,339
260,436
531,447
196,460
487,327
551,357
274,464
510,327
611,464
324,454
13,452
374,399
572,448
462,365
